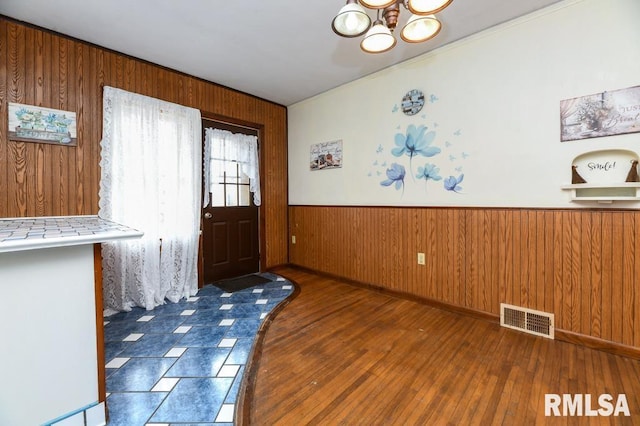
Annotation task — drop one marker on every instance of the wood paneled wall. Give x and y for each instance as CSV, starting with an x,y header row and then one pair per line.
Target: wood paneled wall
x,y
581,265
46,69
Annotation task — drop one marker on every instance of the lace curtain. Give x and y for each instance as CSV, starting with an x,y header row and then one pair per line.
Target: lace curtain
x,y
222,144
151,181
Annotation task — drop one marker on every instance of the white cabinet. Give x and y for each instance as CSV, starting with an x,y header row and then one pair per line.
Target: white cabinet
x,y
50,322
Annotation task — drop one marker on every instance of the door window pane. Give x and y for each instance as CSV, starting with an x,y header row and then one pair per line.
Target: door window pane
x,y
245,195
229,186
231,171
217,196
231,195
217,171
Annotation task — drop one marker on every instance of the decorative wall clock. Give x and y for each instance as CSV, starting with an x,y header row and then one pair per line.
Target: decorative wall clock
x,y
412,102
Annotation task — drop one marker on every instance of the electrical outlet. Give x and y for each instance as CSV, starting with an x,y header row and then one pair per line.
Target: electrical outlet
x,y
421,259
293,239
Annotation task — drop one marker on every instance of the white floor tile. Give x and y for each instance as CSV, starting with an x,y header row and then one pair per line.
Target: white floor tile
x,y
169,384
145,318
182,329
228,371
133,337
165,384
117,362
175,352
226,414
227,343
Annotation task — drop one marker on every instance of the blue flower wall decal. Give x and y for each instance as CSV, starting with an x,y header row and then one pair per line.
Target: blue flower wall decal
x,y
452,183
429,171
444,161
395,174
417,141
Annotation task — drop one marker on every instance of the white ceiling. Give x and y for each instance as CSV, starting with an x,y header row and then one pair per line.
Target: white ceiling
x,y
280,50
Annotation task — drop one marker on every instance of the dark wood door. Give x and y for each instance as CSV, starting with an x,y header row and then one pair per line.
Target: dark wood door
x,y
230,233
230,242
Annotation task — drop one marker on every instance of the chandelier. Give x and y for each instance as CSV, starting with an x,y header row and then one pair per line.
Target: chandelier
x,y
353,21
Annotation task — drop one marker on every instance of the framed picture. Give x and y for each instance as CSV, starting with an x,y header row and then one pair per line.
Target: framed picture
x,y
28,123
603,114
326,155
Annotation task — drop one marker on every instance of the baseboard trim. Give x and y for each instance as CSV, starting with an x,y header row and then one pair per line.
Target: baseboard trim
x,y
272,268
475,313
598,343
560,335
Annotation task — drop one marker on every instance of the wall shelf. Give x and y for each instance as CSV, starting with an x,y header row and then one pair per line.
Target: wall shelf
x,y
604,192
605,176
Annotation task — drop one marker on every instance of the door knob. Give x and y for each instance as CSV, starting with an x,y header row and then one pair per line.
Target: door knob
x,y
208,215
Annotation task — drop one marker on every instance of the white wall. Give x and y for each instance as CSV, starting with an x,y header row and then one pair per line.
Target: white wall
x,y
47,311
500,89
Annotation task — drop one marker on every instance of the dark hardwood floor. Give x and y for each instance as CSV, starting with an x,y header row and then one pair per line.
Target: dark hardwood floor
x,y
341,354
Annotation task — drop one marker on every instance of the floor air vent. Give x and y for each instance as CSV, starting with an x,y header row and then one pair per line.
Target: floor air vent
x,y
527,320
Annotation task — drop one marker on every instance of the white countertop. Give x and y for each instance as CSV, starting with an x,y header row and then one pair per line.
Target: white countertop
x,y
29,233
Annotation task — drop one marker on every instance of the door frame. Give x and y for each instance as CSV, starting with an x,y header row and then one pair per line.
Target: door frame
x,y
236,126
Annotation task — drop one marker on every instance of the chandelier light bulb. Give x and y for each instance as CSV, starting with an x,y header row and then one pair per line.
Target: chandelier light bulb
x,y
427,7
351,20
377,4
420,28
378,39
351,23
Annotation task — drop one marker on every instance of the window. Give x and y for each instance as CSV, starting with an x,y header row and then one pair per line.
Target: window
x,y
232,174
229,186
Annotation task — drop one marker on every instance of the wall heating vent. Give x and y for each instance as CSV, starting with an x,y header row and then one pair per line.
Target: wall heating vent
x,y
527,320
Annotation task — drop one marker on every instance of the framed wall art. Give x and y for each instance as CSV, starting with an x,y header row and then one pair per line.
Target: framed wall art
x,y
28,123
603,114
326,155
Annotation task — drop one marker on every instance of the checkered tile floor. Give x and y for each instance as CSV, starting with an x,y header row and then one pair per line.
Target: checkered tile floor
x,y
182,363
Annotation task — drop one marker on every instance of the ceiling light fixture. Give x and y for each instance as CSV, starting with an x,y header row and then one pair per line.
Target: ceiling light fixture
x,y
353,21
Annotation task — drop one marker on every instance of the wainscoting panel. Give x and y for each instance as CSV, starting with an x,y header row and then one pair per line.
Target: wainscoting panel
x,y
581,265
50,70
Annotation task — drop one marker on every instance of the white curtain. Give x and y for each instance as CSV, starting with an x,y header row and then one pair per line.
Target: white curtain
x,y
151,181
224,145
